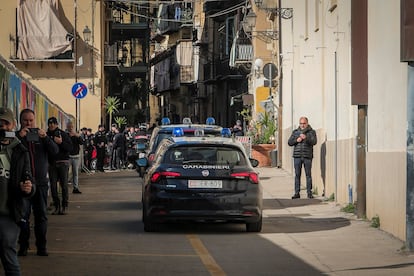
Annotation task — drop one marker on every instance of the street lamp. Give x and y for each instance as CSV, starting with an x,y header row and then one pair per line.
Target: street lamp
x,y
285,13
87,34
249,22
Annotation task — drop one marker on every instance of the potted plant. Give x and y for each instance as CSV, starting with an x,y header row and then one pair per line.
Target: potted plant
x,y
262,132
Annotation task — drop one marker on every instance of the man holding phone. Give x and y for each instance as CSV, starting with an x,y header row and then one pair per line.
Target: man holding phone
x,y
59,166
40,147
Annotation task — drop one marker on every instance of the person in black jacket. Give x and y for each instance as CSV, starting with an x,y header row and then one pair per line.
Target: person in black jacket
x,y
16,183
59,166
100,142
74,155
40,146
303,139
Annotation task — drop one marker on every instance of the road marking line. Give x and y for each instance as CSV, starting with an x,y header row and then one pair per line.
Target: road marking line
x,y
69,252
205,256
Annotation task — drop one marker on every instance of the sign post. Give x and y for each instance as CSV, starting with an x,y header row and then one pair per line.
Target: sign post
x,y
79,91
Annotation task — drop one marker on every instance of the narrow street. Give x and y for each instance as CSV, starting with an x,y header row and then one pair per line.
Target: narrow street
x,y
103,235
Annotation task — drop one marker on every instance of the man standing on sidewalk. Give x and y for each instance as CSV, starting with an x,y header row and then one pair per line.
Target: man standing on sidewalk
x,y
74,155
40,146
303,139
59,166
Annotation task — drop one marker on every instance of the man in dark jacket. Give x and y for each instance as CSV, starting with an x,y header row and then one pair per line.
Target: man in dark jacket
x,y
100,142
40,146
74,155
59,166
15,184
303,139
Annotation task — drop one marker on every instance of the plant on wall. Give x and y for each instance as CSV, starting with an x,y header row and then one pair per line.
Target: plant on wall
x,y
263,130
111,106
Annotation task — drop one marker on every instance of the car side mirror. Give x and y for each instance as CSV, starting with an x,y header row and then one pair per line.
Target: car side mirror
x,y
254,162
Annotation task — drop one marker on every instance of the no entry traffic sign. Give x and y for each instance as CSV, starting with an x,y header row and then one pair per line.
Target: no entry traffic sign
x,y
79,90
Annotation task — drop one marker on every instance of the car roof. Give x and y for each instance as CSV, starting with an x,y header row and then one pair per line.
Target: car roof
x,y
193,140
169,128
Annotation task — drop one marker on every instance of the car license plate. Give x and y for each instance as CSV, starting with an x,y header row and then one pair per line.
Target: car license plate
x,y
215,184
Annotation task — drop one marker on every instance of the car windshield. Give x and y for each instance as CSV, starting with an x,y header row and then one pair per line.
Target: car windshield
x,y
209,154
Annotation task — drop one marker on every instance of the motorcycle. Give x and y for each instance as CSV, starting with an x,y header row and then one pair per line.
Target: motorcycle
x,y
136,150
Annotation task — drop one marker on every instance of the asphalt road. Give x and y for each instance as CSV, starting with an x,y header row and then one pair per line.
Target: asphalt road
x,y
103,235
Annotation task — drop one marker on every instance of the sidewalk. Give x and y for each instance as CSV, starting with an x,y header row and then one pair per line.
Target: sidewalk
x,y
332,241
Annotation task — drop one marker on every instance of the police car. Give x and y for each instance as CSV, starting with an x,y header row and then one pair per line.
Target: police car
x,y
189,129
208,179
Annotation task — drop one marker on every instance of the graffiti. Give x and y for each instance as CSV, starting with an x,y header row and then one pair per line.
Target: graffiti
x,y
17,94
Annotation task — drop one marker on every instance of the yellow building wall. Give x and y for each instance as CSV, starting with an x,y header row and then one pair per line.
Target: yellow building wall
x,y
55,79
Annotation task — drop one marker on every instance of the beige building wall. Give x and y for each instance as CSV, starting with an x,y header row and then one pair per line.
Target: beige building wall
x,y
317,84
387,118
55,79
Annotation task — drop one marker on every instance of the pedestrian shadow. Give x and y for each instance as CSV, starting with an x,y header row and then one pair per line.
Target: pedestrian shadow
x,y
301,224
282,203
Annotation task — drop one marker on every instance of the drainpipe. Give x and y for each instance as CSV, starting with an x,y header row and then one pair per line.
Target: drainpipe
x,y
410,160
280,87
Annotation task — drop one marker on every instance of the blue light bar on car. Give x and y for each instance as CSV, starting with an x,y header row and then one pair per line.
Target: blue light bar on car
x,y
187,121
178,132
165,121
210,121
226,132
199,132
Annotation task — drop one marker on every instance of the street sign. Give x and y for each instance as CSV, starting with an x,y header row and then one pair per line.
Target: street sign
x,y
79,90
270,71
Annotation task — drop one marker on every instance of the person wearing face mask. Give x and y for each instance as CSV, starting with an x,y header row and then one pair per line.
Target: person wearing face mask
x,y
16,183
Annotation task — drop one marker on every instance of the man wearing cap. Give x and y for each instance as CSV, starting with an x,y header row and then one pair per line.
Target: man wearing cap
x,y
40,146
59,166
15,184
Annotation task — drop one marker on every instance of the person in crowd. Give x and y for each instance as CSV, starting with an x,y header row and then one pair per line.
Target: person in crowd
x,y
90,147
110,139
303,139
74,155
238,128
84,136
16,183
100,142
59,166
40,147
151,129
119,145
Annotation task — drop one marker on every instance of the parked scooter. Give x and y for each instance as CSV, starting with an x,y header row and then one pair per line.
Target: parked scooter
x,y
137,150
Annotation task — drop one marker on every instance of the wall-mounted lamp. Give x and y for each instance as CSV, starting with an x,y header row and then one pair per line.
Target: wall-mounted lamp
x,y
258,65
285,13
249,21
87,34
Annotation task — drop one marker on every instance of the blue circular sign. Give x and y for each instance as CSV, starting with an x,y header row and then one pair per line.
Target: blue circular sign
x,y
79,90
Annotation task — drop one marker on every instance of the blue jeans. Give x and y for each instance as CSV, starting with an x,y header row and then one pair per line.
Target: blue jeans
x,y
9,233
307,164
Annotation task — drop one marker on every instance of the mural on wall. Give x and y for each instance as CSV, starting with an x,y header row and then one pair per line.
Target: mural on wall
x,y
16,93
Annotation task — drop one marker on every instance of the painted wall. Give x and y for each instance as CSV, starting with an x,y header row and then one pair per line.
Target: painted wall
x,y
17,94
54,79
387,118
317,84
